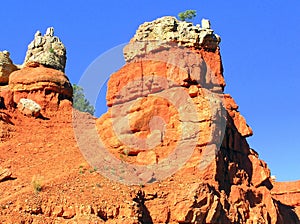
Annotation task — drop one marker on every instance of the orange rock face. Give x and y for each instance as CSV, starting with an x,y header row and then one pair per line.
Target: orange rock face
x,y
153,100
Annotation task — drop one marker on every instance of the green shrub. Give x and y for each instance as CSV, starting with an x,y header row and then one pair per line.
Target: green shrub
x,y
187,15
80,102
37,183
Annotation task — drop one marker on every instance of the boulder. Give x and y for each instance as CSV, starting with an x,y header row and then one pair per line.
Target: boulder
x,y
4,174
29,107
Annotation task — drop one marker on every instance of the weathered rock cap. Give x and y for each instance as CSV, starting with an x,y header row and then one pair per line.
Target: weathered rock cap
x,y
35,77
6,67
47,50
151,36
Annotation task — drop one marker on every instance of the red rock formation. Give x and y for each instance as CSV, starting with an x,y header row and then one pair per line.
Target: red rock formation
x,y
178,142
46,86
224,180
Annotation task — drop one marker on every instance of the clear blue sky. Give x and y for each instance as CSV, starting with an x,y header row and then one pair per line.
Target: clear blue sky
x,y
260,49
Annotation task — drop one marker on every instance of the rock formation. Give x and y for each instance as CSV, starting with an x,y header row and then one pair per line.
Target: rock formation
x,y
172,146
46,86
6,67
47,50
40,78
170,93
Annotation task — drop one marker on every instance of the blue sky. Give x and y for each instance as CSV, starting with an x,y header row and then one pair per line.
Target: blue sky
x,y
260,50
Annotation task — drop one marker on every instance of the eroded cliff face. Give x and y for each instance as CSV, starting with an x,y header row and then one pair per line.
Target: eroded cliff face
x,y
168,95
173,144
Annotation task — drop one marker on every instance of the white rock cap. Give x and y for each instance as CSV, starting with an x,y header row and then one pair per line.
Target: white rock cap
x,y
205,24
50,31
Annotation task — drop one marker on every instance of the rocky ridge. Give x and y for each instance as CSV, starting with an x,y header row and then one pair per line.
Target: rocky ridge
x,y
165,99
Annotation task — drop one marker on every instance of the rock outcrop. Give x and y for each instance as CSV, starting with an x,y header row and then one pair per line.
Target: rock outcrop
x,y
46,86
40,78
6,67
168,114
47,50
151,36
